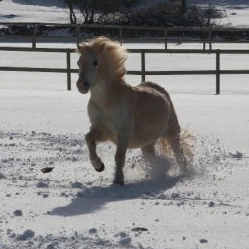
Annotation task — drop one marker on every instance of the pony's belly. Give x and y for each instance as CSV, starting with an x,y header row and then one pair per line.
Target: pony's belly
x,y
141,141
148,131
136,142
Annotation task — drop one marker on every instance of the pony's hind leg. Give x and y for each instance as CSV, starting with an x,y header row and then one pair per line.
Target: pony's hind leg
x,y
91,139
161,163
122,144
148,152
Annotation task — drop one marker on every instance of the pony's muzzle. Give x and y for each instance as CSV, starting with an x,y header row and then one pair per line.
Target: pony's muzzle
x,y
85,83
83,86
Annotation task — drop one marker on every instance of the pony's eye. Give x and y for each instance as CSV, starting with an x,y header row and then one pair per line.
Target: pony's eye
x,y
95,63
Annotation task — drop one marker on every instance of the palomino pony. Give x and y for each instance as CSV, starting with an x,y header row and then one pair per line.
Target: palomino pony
x,y
130,117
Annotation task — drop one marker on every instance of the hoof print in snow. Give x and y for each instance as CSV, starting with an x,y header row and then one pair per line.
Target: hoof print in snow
x,y
2,176
76,185
238,155
45,195
50,246
17,212
92,231
41,185
139,229
47,170
203,241
125,241
211,204
28,234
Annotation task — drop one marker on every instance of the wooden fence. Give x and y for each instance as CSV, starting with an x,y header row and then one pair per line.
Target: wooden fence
x,y
143,72
206,36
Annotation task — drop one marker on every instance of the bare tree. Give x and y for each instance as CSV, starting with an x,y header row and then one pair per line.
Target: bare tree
x,y
71,5
87,10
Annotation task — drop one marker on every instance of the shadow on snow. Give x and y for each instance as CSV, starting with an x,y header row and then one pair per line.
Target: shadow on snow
x,y
94,198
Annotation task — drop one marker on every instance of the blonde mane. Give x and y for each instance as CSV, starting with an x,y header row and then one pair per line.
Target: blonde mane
x,y
110,51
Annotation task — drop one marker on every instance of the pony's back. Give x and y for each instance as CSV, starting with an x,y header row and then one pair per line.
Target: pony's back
x,y
173,126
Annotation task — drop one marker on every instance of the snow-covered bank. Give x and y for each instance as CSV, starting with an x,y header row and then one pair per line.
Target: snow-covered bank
x,y
235,12
33,11
73,206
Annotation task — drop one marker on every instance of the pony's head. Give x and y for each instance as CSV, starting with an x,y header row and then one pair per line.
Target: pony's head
x,y
101,59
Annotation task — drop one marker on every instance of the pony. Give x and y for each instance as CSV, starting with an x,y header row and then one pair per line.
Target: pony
x,y
130,117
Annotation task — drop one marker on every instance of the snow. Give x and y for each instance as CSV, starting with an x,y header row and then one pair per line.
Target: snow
x,y
48,11
235,12
43,125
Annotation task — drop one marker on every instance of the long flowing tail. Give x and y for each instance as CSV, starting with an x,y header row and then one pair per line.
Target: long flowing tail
x,y
186,141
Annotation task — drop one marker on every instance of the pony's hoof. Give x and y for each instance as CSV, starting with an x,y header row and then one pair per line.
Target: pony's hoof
x,y
102,167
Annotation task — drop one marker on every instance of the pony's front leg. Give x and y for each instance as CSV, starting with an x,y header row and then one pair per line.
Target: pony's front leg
x,y
91,139
122,145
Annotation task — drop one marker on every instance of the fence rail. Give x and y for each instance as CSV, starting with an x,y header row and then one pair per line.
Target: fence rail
x,y
143,72
207,36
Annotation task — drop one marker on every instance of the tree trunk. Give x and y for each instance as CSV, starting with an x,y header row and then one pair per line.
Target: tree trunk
x,y
184,6
73,19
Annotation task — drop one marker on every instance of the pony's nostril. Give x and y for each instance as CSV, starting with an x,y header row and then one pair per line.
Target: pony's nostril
x,y
85,83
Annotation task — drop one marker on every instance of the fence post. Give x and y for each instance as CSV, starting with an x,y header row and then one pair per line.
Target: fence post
x,y
120,33
34,37
143,65
209,38
166,39
68,71
217,71
78,34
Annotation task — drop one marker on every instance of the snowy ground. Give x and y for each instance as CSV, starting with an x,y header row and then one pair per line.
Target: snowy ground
x,y
43,125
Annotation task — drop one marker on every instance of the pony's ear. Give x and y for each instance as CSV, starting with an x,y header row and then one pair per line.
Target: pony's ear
x,y
79,48
82,47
